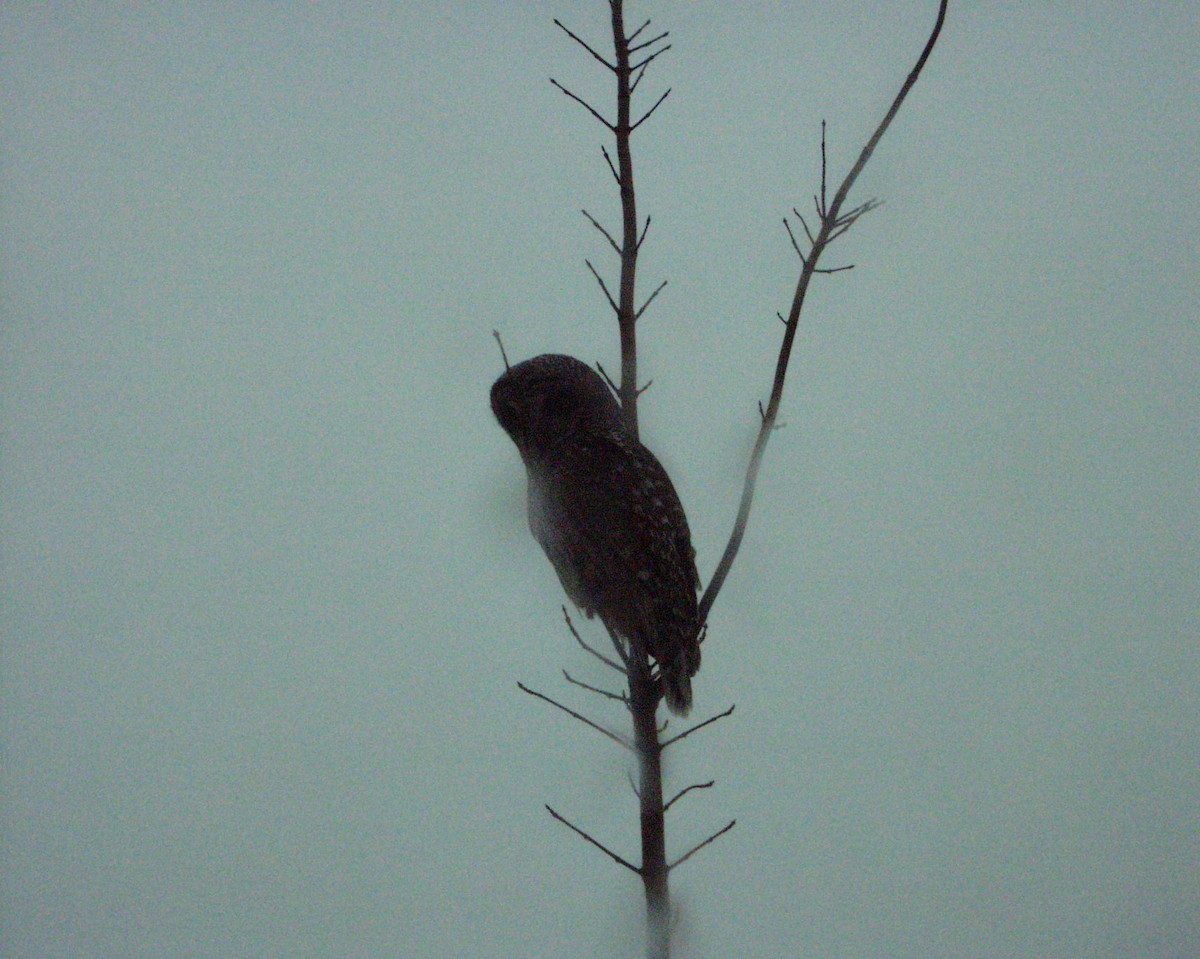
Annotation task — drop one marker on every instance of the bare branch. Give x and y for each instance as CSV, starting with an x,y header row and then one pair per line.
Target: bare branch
x,y
611,301
558,23
695,849
638,314
828,216
599,845
649,383
584,104
583,719
688,732
607,236
646,115
593,689
684,792
574,632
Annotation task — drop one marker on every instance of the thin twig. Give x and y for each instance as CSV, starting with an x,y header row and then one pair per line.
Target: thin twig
x,y
584,104
695,849
633,36
604,287
608,160
607,235
822,165
646,115
803,223
684,792
638,314
641,65
559,24
688,732
593,689
607,379
599,845
574,632
645,230
637,78
500,343
619,646
583,719
792,236
647,43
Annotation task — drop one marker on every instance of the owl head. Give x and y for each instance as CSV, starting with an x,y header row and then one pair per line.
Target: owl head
x,y
551,398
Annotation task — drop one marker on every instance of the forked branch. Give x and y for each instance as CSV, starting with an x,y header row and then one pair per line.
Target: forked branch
x,y
832,224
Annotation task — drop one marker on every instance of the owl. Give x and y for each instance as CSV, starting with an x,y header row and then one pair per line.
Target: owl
x,y
605,512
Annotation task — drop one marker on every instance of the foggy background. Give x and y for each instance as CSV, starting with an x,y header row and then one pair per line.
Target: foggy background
x,y
267,584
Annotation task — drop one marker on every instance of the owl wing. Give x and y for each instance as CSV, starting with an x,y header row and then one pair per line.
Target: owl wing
x,y
610,521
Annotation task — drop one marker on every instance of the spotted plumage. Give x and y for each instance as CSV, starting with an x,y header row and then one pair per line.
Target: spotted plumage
x,y
604,510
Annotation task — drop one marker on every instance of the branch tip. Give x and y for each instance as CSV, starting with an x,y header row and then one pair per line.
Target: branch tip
x,y
500,343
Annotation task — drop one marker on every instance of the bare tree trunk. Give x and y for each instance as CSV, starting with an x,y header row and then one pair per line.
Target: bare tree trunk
x,y
643,703
644,694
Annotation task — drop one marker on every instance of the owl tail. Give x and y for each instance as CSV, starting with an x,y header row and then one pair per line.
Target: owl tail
x,y
677,690
677,678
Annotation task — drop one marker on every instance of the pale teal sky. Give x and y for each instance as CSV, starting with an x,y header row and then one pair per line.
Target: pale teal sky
x,y
267,586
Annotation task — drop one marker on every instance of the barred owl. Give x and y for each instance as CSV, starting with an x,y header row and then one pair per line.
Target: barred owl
x,y
605,512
